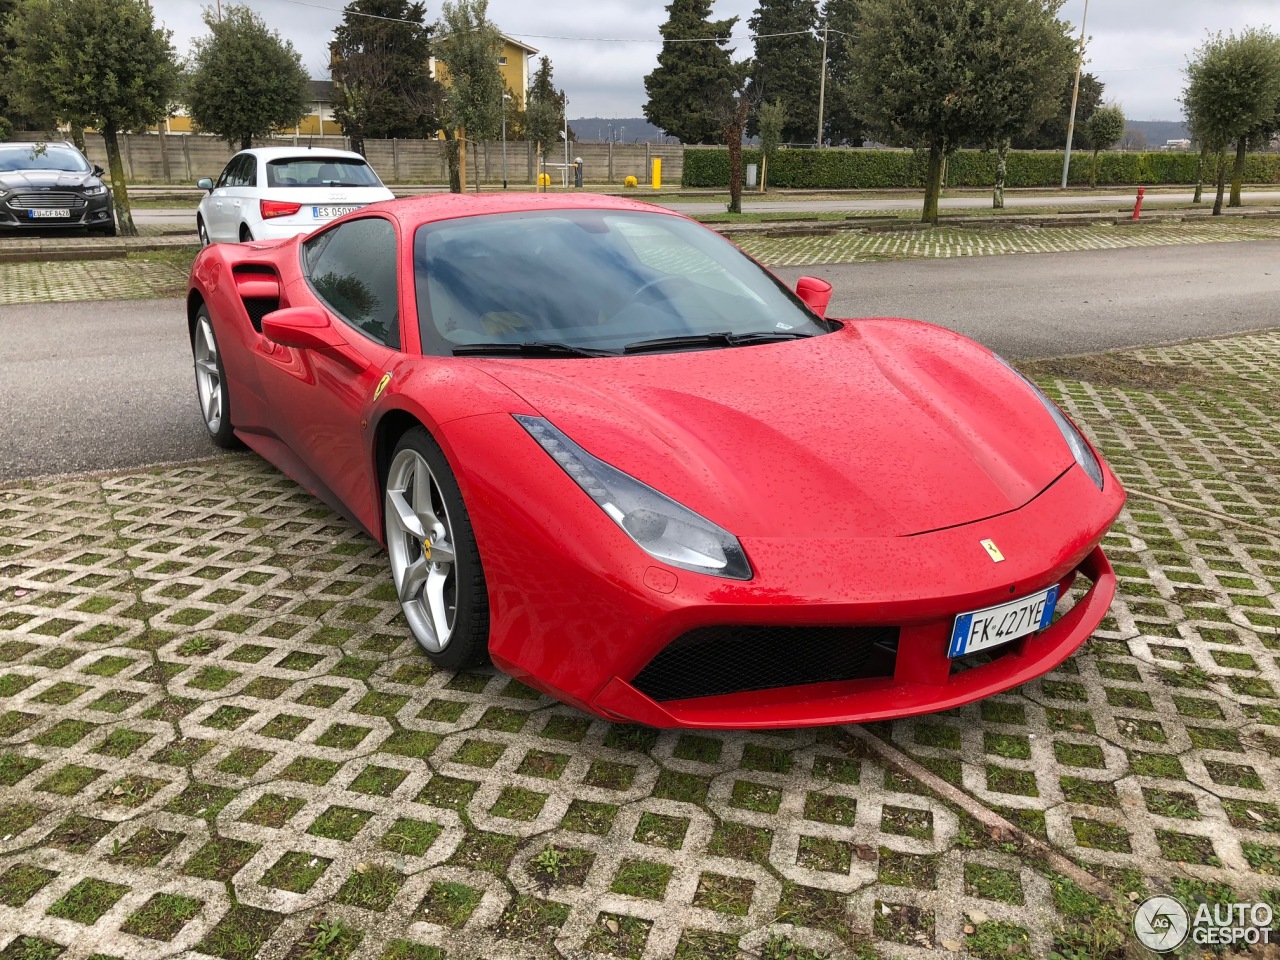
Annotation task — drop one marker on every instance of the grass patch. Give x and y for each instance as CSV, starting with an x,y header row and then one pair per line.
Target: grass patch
x,y
87,901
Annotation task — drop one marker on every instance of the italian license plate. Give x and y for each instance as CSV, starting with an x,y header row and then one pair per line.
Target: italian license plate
x,y
328,213
53,212
996,625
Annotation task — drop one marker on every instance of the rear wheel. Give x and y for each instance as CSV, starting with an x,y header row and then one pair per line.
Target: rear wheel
x,y
435,564
211,382
246,235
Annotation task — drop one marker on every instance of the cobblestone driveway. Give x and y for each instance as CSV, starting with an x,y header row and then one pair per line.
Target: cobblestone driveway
x,y
218,739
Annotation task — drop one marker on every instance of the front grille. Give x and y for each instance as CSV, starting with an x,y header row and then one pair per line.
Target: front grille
x,y
47,201
712,661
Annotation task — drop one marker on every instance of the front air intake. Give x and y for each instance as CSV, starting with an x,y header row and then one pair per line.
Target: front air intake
x,y
712,661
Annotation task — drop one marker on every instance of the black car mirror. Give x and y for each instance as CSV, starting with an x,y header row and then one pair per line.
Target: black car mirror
x,y
98,171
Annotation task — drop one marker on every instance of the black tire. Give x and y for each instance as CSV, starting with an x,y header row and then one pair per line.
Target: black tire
x,y
469,642
223,435
108,231
246,235
202,231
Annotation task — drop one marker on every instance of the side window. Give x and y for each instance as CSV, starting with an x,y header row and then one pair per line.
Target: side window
x,y
352,267
224,179
249,172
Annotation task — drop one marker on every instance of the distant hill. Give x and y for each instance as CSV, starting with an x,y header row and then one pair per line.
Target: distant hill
x,y
622,129
1158,132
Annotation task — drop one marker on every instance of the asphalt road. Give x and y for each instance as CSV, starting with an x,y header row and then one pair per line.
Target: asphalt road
x,y
97,386
171,217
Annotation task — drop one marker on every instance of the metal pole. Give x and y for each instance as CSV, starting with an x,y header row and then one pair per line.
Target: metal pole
x,y
566,141
822,84
504,142
1075,96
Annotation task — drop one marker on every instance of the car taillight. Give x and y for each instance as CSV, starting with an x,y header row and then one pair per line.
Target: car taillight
x,y
277,208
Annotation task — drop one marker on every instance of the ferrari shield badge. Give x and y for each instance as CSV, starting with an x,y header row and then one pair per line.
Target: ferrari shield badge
x,y
382,385
992,550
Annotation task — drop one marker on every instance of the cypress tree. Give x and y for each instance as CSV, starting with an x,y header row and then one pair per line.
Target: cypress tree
x,y
787,64
691,77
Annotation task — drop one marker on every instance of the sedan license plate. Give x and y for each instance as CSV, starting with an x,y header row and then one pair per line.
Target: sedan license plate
x,y
52,212
328,213
996,625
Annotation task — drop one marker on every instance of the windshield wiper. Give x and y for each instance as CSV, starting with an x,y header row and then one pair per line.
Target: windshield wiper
x,y
722,339
528,348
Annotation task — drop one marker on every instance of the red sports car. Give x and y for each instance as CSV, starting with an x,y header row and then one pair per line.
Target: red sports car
x,y
612,453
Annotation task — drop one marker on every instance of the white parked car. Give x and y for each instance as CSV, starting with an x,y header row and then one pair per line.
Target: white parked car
x,y
274,192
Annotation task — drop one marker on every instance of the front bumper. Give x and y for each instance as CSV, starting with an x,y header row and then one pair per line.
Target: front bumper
x,y
577,610
83,212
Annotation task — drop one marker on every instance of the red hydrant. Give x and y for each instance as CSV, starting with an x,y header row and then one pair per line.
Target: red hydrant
x,y
1137,207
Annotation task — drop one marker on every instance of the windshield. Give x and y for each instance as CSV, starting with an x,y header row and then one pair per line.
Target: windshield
x,y
592,279
41,156
321,172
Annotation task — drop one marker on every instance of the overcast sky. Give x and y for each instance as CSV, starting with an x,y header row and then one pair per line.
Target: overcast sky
x,y
1138,47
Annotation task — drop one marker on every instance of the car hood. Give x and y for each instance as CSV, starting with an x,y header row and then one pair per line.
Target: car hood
x,y
883,428
28,179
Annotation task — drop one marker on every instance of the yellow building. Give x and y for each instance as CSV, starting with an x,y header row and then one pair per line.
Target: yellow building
x,y
513,64
319,122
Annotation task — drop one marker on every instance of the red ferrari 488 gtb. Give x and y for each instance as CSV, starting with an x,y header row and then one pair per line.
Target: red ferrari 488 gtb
x,y
611,452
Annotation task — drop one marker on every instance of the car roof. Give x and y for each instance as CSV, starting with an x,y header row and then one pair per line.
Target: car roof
x,y
433,207
299,153
37,143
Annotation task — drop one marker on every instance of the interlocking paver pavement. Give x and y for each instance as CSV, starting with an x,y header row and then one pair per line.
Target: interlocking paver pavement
x,y
148,275
217,737
66,280
850,246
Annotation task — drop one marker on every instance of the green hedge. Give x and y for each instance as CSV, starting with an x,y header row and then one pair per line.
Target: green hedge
x,y
866,169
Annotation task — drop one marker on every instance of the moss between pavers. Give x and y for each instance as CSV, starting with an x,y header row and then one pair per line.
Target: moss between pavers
x,y
372,887
162,917
240,933
557,865
22,881
449,903
87,901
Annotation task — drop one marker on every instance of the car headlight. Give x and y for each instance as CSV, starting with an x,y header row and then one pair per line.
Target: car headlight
x,y
664,529
95,191
1079,448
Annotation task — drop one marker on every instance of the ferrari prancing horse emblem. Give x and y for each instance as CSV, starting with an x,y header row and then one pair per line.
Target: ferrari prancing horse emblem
x,y
993,550
382,385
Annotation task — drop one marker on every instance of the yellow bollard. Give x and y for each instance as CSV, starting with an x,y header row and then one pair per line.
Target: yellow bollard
x,y
657,173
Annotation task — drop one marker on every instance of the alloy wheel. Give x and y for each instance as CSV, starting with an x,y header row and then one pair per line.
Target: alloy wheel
x,y
420,543
208,377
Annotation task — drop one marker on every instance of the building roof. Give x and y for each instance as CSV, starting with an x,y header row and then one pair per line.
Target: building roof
x,y
517,43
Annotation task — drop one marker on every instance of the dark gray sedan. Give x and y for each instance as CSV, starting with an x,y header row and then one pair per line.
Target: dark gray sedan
x,y
51,187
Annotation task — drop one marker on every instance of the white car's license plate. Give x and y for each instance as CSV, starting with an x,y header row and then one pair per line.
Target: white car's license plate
x,y
52,212
996,625
328,213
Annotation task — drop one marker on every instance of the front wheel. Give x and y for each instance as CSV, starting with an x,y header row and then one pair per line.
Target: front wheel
x,y
435,564
202,231
211,383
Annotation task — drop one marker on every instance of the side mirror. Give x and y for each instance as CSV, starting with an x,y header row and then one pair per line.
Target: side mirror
x,y
98,171
815,293
204,183
307,328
